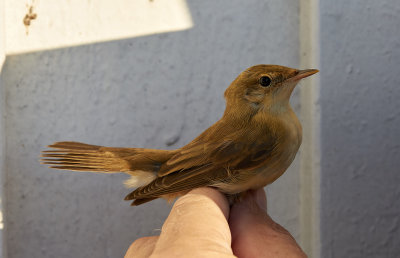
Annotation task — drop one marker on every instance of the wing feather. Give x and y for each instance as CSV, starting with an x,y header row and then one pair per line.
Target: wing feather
x,y
177,182
204,162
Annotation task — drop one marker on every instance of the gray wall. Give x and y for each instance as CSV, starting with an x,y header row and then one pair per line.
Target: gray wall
x,y
360,129
160,91
157,91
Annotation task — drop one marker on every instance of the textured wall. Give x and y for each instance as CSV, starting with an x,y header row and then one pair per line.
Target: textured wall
x,y
360,94
158,91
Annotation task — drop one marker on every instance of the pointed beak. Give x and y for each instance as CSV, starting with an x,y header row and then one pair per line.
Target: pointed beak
x,y
303,74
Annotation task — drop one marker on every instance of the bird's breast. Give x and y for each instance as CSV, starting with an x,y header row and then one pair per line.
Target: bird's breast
x,y
289,132
286,149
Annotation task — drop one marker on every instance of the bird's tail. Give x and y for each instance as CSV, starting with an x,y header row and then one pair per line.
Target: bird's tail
x,y
141,164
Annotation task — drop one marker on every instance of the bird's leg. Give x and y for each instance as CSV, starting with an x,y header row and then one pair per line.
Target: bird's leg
x,y
235,198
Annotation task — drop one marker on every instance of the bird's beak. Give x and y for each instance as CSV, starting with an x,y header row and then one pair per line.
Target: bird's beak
x,y
303,74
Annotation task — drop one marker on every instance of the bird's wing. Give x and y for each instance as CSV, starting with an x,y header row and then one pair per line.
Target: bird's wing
x,y
201,163
176,182
226,152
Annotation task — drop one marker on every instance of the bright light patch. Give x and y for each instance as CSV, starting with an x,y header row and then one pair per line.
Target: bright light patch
x,y
2,33
33,25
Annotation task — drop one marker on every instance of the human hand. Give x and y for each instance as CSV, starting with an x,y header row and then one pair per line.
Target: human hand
x,y
201,224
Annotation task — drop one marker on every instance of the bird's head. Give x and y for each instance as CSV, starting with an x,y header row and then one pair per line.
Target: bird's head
x,y
263,87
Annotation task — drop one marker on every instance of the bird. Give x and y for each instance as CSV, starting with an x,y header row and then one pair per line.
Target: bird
x,y
252,145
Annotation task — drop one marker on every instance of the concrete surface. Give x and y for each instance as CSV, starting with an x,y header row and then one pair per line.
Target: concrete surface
x,y
360,128
311,120
2,135
157,91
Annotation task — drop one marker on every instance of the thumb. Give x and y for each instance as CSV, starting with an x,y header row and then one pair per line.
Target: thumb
x,y
196,226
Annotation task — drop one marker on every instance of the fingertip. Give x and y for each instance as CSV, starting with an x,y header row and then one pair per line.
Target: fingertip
x,y
216,196
250,212
255,234
142,247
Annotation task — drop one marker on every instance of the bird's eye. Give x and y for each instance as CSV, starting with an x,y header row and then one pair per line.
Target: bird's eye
x,y
265,81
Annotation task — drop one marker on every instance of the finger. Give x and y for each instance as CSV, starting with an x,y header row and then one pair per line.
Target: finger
x,y
142,247
255,234
197,225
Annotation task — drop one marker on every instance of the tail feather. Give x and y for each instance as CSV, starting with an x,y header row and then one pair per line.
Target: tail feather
x,y
75,145
142,164
85,157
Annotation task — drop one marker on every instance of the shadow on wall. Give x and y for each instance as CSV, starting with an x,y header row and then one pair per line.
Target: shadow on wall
x,y
156,91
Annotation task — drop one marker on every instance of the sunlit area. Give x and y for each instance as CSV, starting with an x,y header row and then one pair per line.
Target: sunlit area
x,y
36,25
2,34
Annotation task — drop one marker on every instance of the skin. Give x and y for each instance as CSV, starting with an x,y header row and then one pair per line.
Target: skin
x,y
201,224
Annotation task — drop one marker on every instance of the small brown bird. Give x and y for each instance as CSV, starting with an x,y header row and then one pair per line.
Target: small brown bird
x,y
252,145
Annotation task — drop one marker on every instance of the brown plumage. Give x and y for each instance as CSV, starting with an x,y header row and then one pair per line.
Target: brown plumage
x,y
249,147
